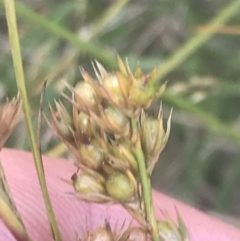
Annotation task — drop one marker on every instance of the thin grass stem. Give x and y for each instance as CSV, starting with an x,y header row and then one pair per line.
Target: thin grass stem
x,y
20,79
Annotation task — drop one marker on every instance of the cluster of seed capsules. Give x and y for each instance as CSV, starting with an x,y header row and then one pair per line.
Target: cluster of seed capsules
x,y
108,122
168,231
106,233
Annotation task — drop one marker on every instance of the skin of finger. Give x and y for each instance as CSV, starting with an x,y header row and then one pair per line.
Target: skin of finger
x,y
74,216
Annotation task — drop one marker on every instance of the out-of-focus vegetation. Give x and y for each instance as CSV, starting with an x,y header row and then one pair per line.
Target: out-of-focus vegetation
x,y
201,163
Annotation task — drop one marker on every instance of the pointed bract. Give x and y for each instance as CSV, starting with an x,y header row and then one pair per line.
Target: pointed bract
x,y
171,231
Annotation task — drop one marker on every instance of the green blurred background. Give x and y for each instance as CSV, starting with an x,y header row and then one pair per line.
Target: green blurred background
x,y
201,163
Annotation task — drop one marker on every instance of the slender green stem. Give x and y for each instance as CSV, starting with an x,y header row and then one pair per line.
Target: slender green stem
x,y
147,191
145,182
107,16
17,62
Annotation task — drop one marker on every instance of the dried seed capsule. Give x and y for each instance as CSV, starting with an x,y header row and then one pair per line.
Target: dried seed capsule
x,y
9,115
86,125
171,231
111,84
134,234
123,151
142,93
153,137
116,118
85,94
168,231
65,130
92,154
119,186
102,234
112,120
62,121
87,184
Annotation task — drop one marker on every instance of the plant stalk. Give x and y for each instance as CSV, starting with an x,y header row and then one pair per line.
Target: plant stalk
x,y
13,224
145,183
147,192
17,62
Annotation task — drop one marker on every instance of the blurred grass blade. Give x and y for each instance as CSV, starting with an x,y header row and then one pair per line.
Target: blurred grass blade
x,y
198,40
17,61
98,26
210,121
230,184
107,16
97,51
230,29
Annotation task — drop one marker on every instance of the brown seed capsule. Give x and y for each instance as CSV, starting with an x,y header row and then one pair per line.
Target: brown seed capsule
x,y
87,184
62,121
116,118
153,137
102,234
112,120
9,115
171,231
86,125
122,150
134,234
119,186
92,154
168,232
141,93
111,84
65,130
85,94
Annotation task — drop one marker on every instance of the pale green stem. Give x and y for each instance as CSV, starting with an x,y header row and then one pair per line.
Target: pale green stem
x,y
107,16
147,192
145,184
17,62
